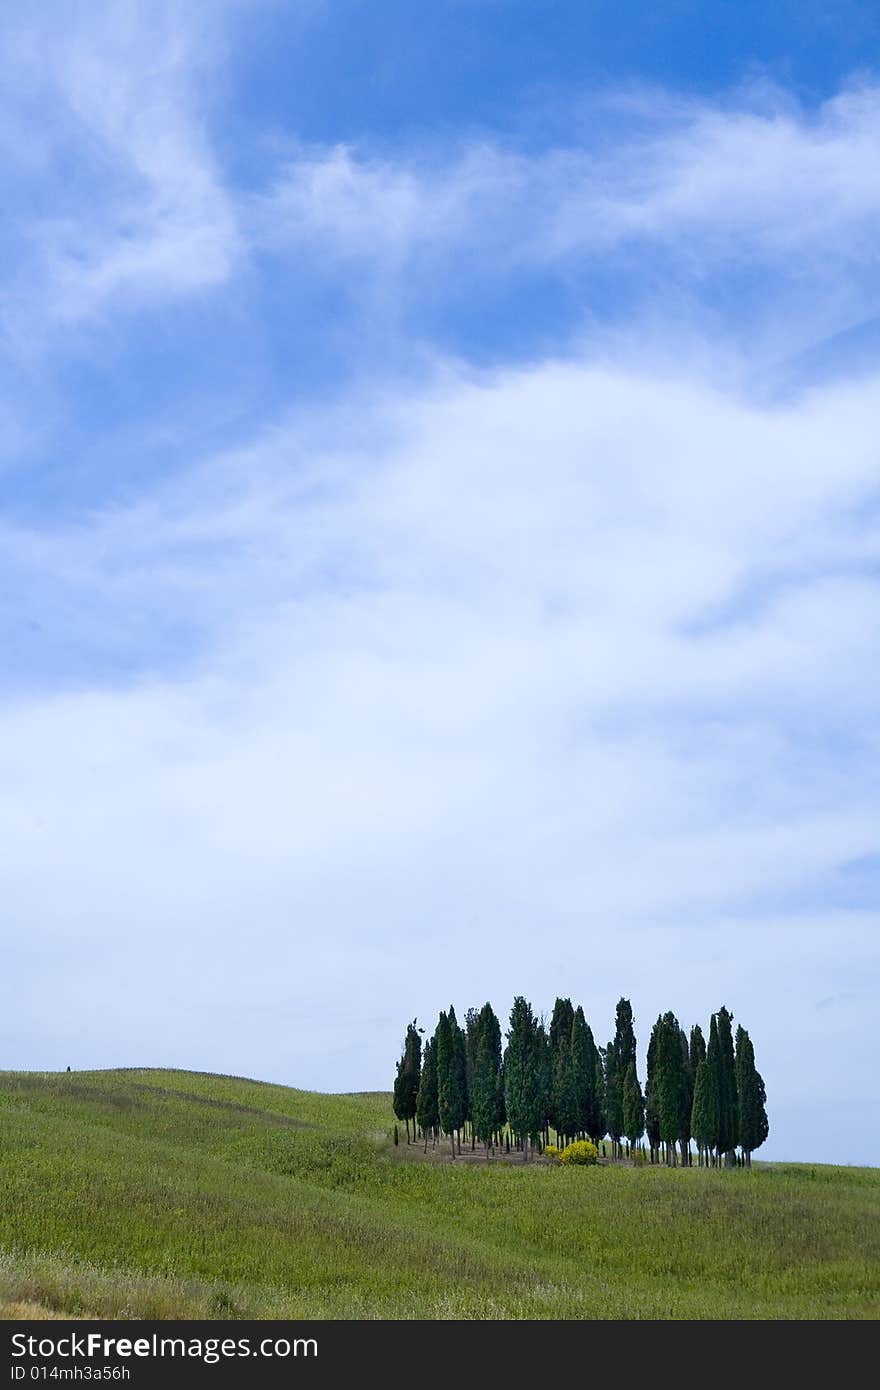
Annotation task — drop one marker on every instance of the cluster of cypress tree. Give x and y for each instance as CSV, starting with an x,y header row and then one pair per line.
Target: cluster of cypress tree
x,y
557,1078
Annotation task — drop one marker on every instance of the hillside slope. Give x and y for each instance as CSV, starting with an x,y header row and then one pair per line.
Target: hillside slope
x,y
175,1194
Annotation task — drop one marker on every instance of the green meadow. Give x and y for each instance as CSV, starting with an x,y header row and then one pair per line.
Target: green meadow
x,y
161,1194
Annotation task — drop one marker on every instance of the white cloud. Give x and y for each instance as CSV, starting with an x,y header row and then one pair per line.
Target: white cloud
x,y
139,212
673,196
763,178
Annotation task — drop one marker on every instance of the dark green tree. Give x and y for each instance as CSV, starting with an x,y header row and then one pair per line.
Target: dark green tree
x,y
633,1106
584,1057
616,1068
427,1113
399,1097
752,1098
599,1120
686,1100
471,1027
697,1054
710,1099
559,1035
544,1073
486,1077
652,1114
613,1099
560,1024
728,1119
500,1102
624,1038
697,1048
406,1082
450,1101
669,1083
565,1109
444,1059
522,1074
703,1128
460,1040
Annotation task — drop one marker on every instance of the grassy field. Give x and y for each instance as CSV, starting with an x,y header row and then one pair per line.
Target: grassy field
x,y
172,1194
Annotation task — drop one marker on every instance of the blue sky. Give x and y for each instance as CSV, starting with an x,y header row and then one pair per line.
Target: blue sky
x,y
440,497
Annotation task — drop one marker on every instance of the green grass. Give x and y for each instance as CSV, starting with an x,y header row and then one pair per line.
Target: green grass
x,y
172,1194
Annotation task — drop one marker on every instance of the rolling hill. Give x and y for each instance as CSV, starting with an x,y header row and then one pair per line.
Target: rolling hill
x,y
161,1194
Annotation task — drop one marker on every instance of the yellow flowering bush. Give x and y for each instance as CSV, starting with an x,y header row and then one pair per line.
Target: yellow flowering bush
x,y
551,1151
581,1152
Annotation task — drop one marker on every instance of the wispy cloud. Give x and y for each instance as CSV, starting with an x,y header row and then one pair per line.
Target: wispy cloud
x,y
674,197
138,211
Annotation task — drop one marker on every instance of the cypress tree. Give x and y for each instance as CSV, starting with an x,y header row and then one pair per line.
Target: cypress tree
x,y
444,1057
696,1055
480,1121
752,1098
697,1048
584,1065
599,1120
500,1103
544,1074
633,1106
565,1098
398,1101
728,1123
624,1048
652,1114
560,1035
560,1024
471,1028
686,1099
427,1113
624,1038
460,1043
710,1115
486,1077
613,1099
450,1101
522,1080
700,1124
670,1083
406,1082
